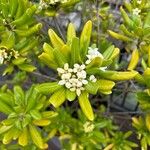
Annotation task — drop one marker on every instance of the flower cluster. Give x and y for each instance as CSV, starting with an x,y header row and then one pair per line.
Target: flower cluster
x,y
6,55
88,127
73,78
136,11
93,53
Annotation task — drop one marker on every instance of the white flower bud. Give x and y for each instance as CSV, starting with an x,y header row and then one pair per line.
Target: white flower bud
x,y
88,127
136,11
92,78
79,84
66,66
78,92
75,70
76,66
60,70
84,81
61,82
68,85
1,60
79,75
82,66
70,70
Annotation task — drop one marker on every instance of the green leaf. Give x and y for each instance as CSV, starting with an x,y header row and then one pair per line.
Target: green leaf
x,y
4,108
55,40
105,85
19,95
19,61
71,33
30,31
70,95
85,38
92,87
95,63
126,18
48,60
120,76
31,98
86,106
143,96
119,36
147,20
108,52
48,88
7,98
36,136
58,97
36,114
26,67
75,51
60,58
8,70
8,39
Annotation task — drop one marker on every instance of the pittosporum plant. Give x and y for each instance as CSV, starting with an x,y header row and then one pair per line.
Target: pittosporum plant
x,y
120,142
84,73
142,126
17,28
80,133
135,30
82,70
25,114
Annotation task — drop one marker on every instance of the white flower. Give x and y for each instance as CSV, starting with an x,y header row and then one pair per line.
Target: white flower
x,y
88,127
1,59
79,84
136,11
78,91
68,85
73,78
60,70
66,66
92,54
61,82
84,81
92,78
139,1
3,56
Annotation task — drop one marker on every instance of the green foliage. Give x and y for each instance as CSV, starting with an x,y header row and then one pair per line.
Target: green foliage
x,y
80,67
142,126
26,112
84,67
17,24
52,7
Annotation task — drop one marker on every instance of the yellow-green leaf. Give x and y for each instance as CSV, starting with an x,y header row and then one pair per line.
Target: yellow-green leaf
x,y
58,97
86,106
85,38
71,33
36,136
119,36
56,41
134,60
23,138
